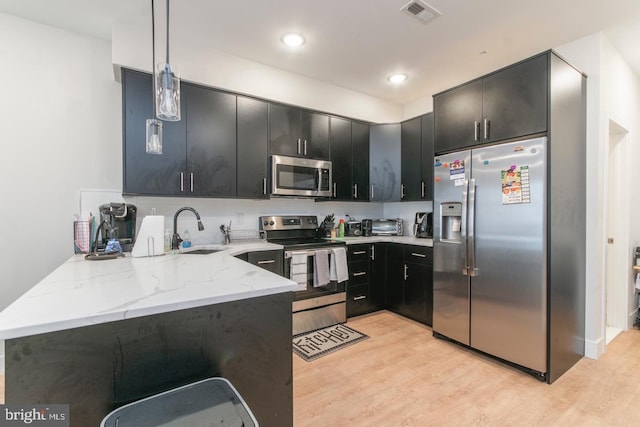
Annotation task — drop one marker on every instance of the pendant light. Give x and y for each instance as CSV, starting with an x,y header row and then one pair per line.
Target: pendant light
x,y
154,126
167,87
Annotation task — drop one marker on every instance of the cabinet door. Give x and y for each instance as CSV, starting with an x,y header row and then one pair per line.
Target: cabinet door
x,y
211,142
143,173
314,135
415,297
360,156
379,275
411,158
341,158
515,100
384,168
284,130
457,117
427,157
395,278
269,260
252,143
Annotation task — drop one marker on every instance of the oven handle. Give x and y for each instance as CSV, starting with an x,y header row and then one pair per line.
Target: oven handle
x,y
289,254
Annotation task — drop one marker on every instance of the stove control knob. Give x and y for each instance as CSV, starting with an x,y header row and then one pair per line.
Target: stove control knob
x,y
271,223
265,223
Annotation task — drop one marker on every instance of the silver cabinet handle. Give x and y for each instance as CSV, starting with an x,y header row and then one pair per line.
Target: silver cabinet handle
x,y
422,189
359,273
359,298
487,123
402,191
372,193
360,252
191,181
335,191
373,252
419,255
305,147
476,126
264,185
182,182
355,191
267,261
473,271
405,272
298,147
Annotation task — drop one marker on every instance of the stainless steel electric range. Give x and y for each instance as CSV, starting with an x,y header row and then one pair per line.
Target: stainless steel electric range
x,y
314,307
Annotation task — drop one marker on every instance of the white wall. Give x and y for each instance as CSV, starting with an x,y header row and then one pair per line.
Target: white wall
x,y
613,93
61,129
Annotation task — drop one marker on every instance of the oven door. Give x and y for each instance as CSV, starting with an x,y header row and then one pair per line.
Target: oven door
x,y
310,292
292,176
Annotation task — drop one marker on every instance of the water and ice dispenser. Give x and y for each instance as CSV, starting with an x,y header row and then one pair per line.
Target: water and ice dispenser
x,y
451,222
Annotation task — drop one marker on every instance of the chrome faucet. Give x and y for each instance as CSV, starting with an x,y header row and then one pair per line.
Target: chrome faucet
x,y
176,239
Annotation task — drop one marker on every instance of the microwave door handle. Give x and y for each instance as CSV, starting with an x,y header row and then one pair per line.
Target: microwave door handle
x,y
319,180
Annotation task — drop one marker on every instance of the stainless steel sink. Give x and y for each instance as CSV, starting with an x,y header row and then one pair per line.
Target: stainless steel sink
x,y
200,251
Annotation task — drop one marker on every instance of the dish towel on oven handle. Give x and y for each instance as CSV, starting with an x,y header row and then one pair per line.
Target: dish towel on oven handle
x,y
298,269
320,268
338,270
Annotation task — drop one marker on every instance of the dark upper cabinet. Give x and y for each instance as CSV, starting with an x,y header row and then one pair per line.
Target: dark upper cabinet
x,y
252,148
298,133
509,103
211,142
350,159
360,153
144,173
426,185
198,152
384,158
416,154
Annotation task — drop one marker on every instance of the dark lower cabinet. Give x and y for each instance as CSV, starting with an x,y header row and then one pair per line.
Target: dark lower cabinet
x,y
395,278
417,302
379,276
359,286
269,260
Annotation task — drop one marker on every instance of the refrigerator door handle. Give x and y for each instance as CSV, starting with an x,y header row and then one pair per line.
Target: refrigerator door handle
x,y
463,228
473,271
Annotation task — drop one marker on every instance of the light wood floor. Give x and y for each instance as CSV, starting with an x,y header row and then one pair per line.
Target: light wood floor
x,y
402,376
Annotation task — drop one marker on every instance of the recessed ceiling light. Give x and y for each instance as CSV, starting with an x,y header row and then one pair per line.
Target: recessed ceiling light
x,y
292,39
397,78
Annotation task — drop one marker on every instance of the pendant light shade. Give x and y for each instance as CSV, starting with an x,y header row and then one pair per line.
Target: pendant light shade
x,y
167,87
167,93
154,136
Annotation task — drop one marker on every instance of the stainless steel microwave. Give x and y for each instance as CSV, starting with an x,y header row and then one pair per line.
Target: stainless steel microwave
x,y
296,176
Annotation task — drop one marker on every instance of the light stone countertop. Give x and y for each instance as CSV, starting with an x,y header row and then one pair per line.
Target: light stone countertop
x,y
405,240
82,293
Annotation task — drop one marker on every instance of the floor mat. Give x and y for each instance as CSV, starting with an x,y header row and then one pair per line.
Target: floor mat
x,y
313,345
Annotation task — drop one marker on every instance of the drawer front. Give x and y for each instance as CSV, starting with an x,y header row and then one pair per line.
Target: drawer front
x,y
418,254
358,300
269,260
357,253
359,273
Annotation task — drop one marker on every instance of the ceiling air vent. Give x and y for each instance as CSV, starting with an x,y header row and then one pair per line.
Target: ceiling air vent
x,y
420,10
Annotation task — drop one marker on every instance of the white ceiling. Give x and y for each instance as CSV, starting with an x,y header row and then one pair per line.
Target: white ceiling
x,y
356,44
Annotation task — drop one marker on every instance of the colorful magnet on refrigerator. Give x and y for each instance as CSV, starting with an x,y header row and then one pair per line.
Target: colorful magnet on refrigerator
x,y
445,165
486,162
437,179
437,163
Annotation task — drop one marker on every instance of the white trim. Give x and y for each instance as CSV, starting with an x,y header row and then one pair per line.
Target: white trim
x,y
594,349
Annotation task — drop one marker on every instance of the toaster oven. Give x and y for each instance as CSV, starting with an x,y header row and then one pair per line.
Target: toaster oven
x,y
387,227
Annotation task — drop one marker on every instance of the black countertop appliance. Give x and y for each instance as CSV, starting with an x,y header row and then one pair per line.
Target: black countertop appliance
x,y
423,225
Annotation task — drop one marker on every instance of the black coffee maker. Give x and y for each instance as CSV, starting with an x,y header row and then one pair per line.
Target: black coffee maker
x,y
423,225
117,220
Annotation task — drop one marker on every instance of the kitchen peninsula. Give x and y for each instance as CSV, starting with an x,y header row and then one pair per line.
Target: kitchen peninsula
x,y
99,334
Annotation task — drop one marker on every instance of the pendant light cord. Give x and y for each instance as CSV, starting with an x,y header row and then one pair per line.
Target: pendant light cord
x,y
167,31
153,57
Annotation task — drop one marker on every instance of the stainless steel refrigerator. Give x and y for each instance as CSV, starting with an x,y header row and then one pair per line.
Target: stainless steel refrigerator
x,y
490,250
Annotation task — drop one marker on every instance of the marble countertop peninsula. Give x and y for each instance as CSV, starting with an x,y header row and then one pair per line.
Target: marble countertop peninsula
x,y
83,293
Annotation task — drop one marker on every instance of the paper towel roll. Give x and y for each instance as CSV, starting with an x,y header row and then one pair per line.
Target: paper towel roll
x,y
150,240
